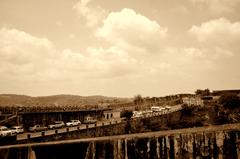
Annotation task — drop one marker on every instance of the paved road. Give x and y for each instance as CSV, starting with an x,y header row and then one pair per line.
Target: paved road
x,y
66,129
98,124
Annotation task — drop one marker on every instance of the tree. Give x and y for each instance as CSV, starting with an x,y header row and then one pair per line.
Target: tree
x,y
138,100
205,92
229,101
127,114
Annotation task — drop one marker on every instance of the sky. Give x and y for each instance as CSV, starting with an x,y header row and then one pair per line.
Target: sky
x,y
118,47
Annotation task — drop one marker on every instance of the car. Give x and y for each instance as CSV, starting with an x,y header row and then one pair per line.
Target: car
x,y
17,129
167,107
4,131
89,120
56,124
37,128
73,123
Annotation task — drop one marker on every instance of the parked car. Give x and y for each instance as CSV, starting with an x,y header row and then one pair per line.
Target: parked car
x,y
4,131
17,129
37,128
89,120
56,124
73,123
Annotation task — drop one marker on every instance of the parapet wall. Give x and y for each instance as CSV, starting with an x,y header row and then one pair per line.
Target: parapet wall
x,y
217,145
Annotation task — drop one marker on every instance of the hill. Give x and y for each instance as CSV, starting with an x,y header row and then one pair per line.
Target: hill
x,y
58,100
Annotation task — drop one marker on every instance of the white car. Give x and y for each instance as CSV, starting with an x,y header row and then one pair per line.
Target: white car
x,y
73,123
4,131
17,129
56,124
89,120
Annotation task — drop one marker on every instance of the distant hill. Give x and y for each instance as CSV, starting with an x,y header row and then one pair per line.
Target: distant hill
x,y
58,100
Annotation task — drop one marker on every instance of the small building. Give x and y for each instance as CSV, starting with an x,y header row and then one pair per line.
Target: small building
x,y
111,114
192,101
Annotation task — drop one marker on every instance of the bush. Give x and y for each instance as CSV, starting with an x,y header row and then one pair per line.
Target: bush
x,y
127,114
229,101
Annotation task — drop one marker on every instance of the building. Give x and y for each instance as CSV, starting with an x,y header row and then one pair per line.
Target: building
x,y
111,114
192,101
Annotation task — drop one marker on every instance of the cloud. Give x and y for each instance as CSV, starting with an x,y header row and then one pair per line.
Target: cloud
x,y
217,7
34,61
26,57
92,15
214,31
23,55
19,47
131,31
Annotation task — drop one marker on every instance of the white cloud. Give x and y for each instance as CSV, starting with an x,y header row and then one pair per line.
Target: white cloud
x,y
93,15
129,27
20,47
23,55
26,57
218,32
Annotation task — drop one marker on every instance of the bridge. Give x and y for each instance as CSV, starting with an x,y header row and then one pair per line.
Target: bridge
x,y
220,141
101,128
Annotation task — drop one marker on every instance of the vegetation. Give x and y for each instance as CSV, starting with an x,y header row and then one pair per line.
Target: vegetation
x,y
230,101
205,92
127,114
228,109
58,100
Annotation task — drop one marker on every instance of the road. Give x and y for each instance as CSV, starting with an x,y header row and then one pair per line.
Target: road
x,y
98,124
67,129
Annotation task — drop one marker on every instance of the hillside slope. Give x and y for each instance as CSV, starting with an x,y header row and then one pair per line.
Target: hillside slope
x,y
57,100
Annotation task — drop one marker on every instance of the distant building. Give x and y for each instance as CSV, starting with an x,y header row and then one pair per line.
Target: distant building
x,y
111,114
192,101
207,100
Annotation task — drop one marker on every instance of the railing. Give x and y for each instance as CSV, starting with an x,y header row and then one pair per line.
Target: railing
x,y
65,130
206,129
12,117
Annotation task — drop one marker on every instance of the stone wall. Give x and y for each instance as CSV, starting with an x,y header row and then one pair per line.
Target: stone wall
x,y
216,145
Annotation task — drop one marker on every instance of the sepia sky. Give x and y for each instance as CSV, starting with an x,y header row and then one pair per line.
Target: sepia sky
x,y
118,47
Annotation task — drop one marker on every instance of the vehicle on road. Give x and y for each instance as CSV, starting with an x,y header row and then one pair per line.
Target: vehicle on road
x,y
89,120
4,131
157,108
168,107
73,123
56,124
37,128
137,114
17,129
